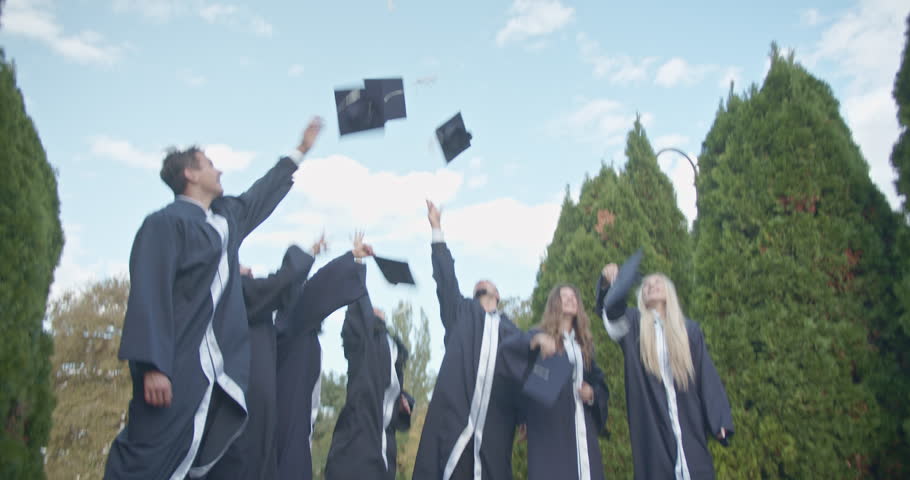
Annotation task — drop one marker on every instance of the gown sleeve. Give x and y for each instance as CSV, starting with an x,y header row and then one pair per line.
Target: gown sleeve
x,y
595,378
451,301
253,206
149,324
713,396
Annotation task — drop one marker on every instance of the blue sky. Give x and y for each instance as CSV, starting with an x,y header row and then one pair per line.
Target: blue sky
x,y
548,89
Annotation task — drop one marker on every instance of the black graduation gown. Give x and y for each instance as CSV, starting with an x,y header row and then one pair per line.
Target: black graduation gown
x,y
253,454
174,260
702,409
450,406
357,450
552,447
335,285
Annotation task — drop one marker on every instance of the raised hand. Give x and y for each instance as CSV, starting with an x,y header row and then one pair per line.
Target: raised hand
x,y
310,135
157,389
433,215
361,249
320,245
545,343
610,271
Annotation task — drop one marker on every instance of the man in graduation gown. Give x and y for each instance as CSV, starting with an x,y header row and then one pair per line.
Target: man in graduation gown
x,y
253,455
185,333
663,416
471,419
363,444
339,283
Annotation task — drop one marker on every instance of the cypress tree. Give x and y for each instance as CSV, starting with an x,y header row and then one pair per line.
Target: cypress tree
x,y
615,215
791,283
30,243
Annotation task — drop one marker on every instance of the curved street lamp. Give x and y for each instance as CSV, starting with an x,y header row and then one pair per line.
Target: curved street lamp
x,y
694,167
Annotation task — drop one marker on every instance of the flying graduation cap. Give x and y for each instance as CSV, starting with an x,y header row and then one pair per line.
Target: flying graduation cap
x,y
395,271
453,137
368,108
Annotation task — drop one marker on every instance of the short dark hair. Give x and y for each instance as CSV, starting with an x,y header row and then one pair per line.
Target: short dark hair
x,y
175,162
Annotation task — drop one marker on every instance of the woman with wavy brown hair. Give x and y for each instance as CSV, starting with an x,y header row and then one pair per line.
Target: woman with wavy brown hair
x,y
562,438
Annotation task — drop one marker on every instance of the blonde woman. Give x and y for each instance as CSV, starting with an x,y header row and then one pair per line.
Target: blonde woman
x,y
674,395
562,438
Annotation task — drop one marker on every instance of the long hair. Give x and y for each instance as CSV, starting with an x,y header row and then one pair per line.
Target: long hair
x,y
675,333
581,324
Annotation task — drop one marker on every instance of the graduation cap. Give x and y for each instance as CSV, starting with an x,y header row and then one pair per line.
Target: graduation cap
x,y
395,271
626,277
388,97
368,108
357,112
453,137
547,378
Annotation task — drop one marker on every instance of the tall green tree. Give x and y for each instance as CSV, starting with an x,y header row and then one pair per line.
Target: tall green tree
x,y
900,155
616,214
31,240
792,282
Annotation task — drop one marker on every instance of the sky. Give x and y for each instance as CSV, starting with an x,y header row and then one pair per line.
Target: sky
x,y
548,89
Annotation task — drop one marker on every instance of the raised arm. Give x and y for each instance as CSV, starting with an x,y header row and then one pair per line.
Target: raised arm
x,y
266,294
615,319
339,283
253,206
447,291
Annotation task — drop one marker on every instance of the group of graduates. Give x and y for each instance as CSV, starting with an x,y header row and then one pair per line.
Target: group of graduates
x,y
225,367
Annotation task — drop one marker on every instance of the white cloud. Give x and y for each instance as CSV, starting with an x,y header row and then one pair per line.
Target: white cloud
x,y
600,121
217,11
477,181
295,70
503,228
811,17
863,45
681,174
191,79
261,27
155,9
677,71
534,18
70,274
620,69
731,74
124,152
383,199
475,162
35,19
227,159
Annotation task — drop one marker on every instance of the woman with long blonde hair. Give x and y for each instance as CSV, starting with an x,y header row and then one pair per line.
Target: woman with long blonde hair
x,y
562,438
673,392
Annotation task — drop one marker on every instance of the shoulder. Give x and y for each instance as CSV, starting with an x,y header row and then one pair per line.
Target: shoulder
x,y
694,330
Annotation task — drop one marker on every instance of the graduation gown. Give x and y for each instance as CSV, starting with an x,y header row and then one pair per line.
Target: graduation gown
x,y
253,454
486,355
553,448
703,409
186,319
362,445
335,285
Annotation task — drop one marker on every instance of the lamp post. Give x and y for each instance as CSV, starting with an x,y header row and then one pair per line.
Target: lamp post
x,y
692,163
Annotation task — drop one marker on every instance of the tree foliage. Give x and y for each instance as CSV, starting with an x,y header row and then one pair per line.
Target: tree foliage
x,y
31,240
792,284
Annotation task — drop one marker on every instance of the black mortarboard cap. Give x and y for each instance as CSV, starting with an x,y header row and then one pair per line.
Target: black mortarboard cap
x,y
395,271
357,111
453,137
627,277
547,378
387,95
